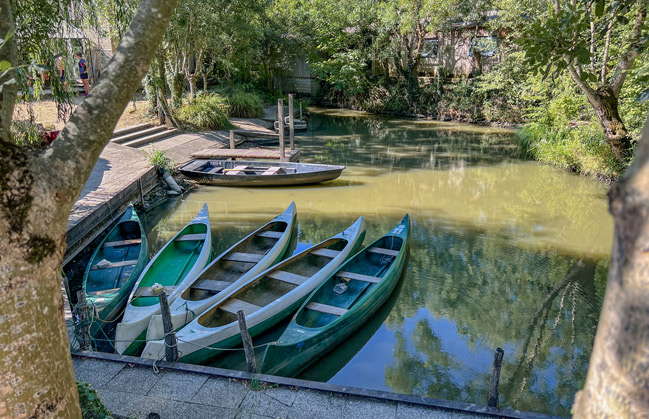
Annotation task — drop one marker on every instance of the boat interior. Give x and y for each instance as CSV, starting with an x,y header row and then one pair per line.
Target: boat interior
x,y
284,278
172,264
350,284
231,168
236,263
115,260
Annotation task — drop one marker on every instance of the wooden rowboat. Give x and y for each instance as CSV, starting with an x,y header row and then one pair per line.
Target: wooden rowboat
x,y
246,259
180,260
340,305
113,269
265,299
258,173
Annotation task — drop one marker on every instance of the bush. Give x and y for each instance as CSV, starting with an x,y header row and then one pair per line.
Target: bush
x,y
207,112
245,105
582,149
91,406
160,160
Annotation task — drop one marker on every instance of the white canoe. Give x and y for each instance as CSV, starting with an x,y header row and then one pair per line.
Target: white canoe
x,y
265,299
225,274
178,262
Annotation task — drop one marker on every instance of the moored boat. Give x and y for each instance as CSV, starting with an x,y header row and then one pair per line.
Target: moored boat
x,y
340,305
252,255
259,173
181,259
265,299
113,269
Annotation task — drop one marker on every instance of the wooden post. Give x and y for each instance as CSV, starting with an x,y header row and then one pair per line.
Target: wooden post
x,y
280,118
171,344
232,144
247,342
495,378
81,310
139,181
302,119
291,122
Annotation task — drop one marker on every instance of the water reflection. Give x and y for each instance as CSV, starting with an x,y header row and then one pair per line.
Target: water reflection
x,y
503,252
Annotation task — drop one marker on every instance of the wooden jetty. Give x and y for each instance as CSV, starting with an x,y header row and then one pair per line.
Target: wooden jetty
x,y
247,154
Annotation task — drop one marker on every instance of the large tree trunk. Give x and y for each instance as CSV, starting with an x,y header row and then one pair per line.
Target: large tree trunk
x,y
605,104
618,375
37,192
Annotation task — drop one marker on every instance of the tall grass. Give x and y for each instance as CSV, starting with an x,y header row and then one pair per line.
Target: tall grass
x,y
207,112
245,105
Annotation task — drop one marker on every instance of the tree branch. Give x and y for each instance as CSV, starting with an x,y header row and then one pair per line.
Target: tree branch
x,y
607,46
585,87
67,165
629,57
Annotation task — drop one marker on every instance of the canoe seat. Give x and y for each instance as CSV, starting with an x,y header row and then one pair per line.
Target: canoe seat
x,y
215,170
211,285
271,234
102,292
233,305
237,170
328,253
274,171
324,308
382,251
359,277
114,265
191,237
122,243
243,257
148,292
289,277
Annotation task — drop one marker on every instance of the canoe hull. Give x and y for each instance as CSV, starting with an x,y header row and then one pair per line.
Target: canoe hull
x,y
299,173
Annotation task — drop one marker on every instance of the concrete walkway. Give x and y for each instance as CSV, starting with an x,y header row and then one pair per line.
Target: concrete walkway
x,y
135,392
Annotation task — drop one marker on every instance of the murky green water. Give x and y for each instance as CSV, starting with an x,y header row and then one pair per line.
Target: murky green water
x,y
503,252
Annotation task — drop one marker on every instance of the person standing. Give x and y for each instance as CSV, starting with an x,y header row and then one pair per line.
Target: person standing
x,y
60,66
83,72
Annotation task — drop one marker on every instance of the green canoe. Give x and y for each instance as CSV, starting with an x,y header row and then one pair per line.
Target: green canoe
x,y
342,304
113,269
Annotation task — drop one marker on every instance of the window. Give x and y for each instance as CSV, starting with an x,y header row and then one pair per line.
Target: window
x,y
429,48
485,45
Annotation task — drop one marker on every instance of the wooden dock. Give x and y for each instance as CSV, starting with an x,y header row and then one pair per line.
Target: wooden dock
x,y
247,154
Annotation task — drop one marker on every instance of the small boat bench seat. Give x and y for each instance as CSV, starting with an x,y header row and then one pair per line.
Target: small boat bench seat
x,y
359,277
243,257
211,285
148,291
328,253
289,277
122,243
271,234
382,251
274,171
214,170
233,305
114,265
237,170
102,292
325,308
191,237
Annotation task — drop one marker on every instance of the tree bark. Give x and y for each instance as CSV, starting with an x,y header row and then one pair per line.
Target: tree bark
x,y
37,192
618,375
605,104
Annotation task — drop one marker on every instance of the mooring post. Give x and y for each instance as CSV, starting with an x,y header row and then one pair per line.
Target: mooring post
x,y
139,181
81,310
280,118
171,344
495,378
232,145
247,342
302,119
291,122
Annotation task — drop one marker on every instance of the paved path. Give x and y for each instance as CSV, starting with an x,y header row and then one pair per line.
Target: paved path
x,y
136,392
180,147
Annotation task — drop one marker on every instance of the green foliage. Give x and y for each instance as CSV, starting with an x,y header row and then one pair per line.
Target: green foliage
x,y
245,105
26,133
91,406
160,160
582,149
207,112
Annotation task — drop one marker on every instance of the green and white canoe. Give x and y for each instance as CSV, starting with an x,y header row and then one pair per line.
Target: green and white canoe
x,y
248,258
340,305
265,299
113,269
179,261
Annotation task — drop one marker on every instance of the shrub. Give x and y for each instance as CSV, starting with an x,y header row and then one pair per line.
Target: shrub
x,y
160,160
207,112
245,105
91,406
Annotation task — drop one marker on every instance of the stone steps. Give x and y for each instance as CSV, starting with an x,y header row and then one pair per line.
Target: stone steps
x,y
141,134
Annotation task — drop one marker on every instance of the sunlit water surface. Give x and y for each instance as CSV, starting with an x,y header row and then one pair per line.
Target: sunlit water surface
x,y
503,253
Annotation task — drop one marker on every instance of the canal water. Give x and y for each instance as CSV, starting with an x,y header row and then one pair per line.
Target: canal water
x,y
504,252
